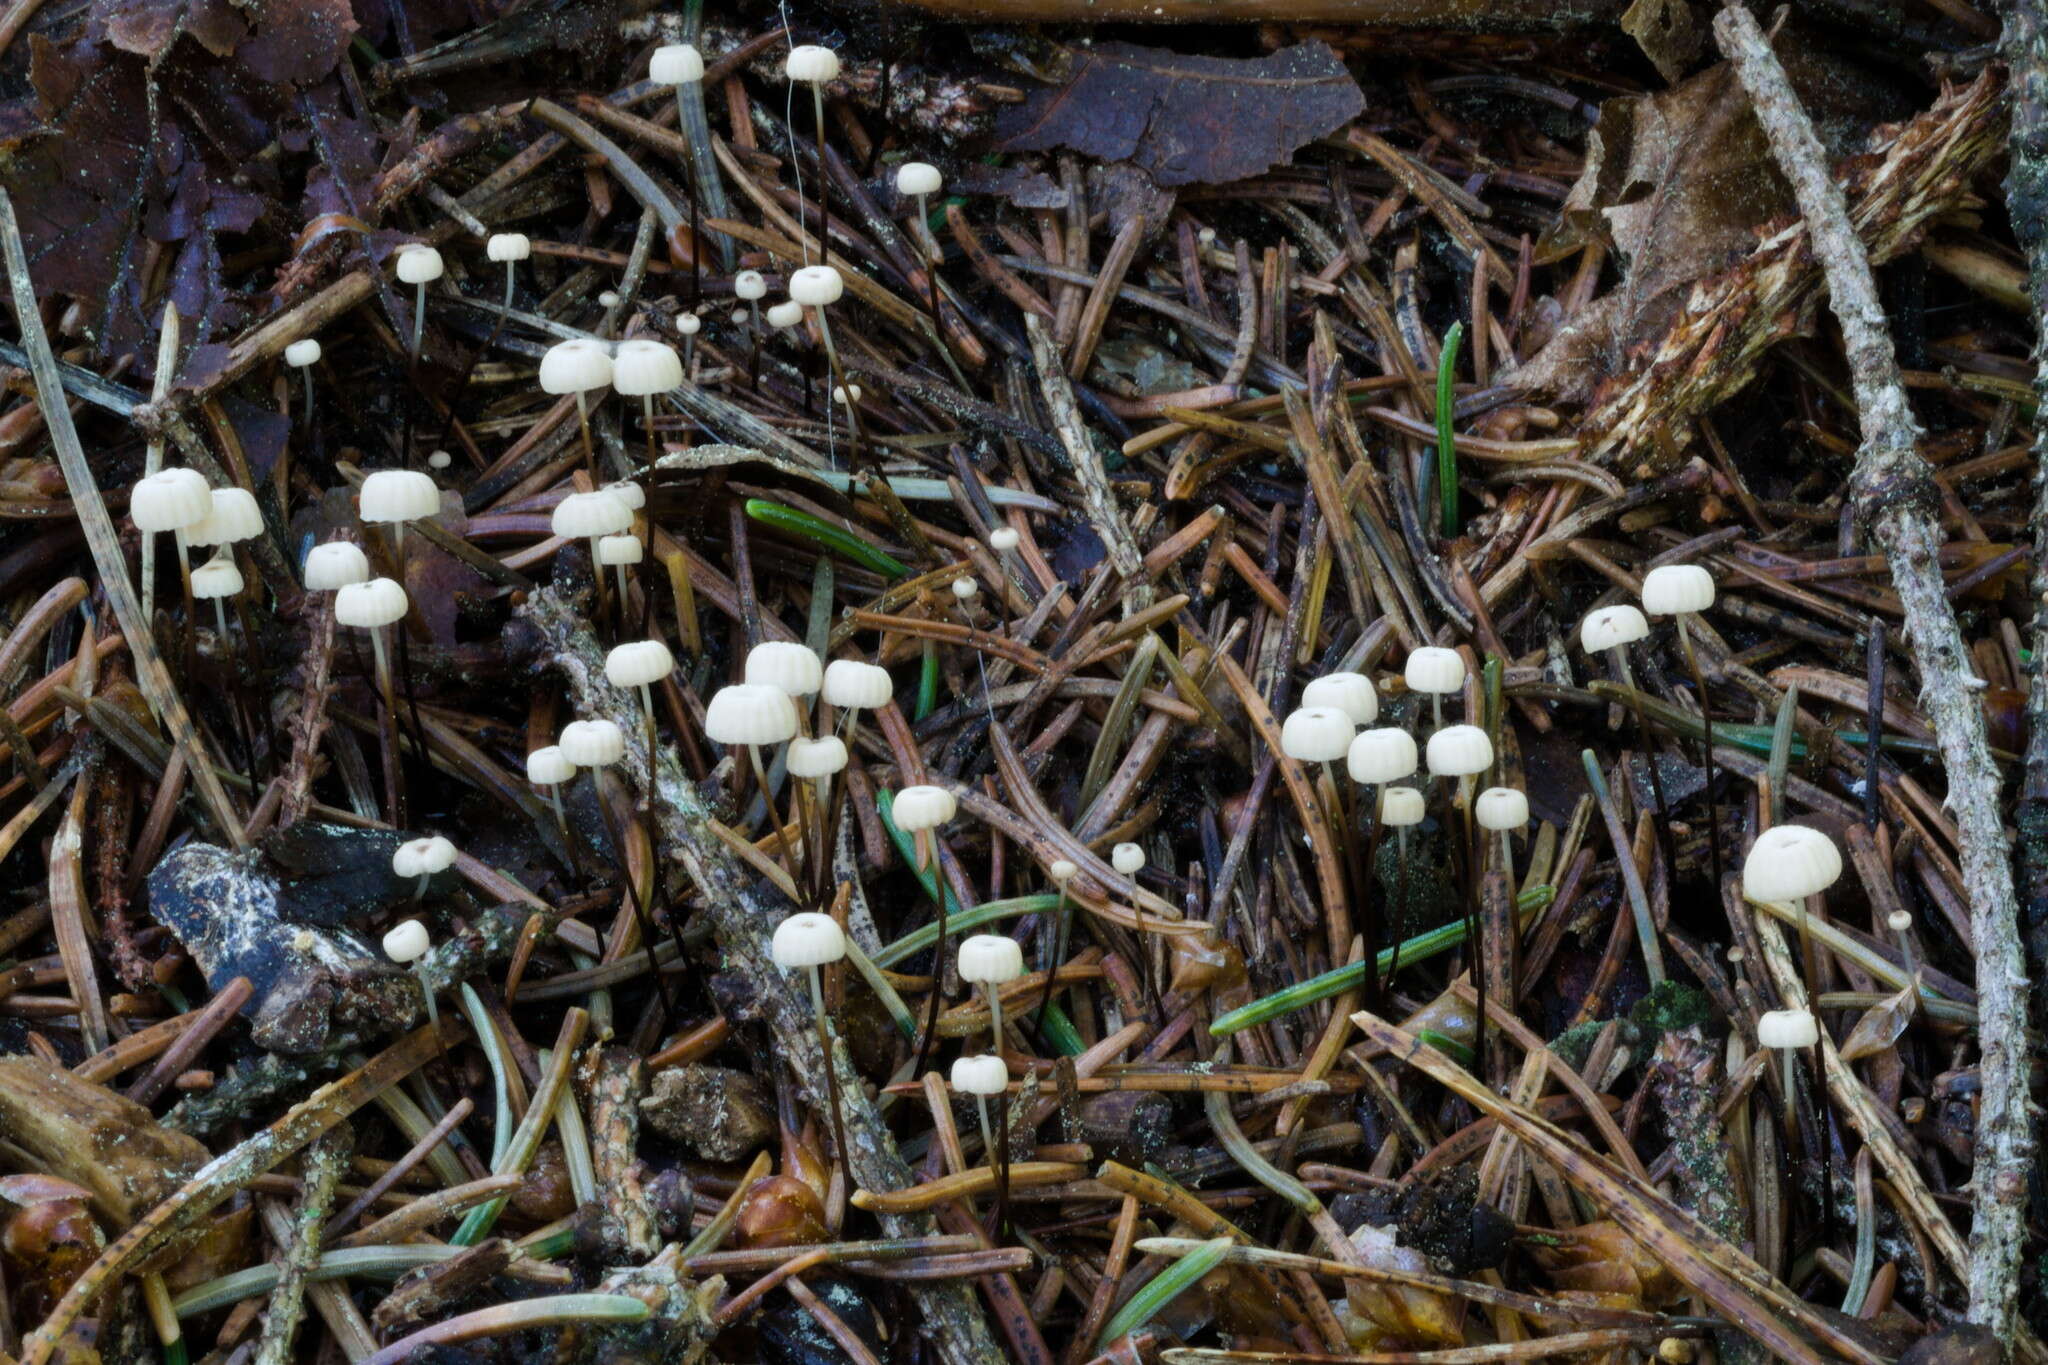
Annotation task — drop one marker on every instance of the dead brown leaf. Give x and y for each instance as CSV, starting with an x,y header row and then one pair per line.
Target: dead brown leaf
x,y
1882,1024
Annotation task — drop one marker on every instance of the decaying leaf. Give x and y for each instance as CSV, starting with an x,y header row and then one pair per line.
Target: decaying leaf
x,y
1188,120
1882,1024
1667,31
1393,1314
1600,1258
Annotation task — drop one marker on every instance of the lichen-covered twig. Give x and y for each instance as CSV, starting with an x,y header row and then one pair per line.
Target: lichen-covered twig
x,y
326,1158
1894,494
743,914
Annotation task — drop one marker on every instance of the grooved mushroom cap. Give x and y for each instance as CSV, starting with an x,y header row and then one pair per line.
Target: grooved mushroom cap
x,y
645,367
808,939
390,495
918,177
508,246
1670,589
985,1075
917,808
1790,863
1501,808
990,959
1316,734
1383,755
1004,538
586,516
545,767
817,757
846,395
170,500
440,459
1400,806
676,64
301,353
750,713
816,286
628,492
423,857
1062,871
786,314
623,548
689,324
967,589
1787,1029
336,564
419,263
638,663
1128,859
1351,693
750,285
786,666
811,64
1611,628
1459,750
852,685
593,743
1433,668
406,942
232,518
216,578
575,366
367,606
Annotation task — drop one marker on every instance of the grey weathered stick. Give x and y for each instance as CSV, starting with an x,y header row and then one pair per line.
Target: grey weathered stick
x,y
743,914
99,530
1895,498
326,1158
1096,496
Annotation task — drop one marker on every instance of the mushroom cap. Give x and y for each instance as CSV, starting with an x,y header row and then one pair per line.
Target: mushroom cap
x,y
785,665
508,246
1899,921
750,285
575,366
1004,539
810,64
406,941
547,766
990,959
369,605
820,757
392,495
788,313
170,500
217,577
423,857
628,492
1788,863
1062,871
1458,750
644,367
1433,668
1127,859
1787,1029
303,352
1383,755
623,548
233,517
1611,628
419,263
808,939
1400,807
638,663
676,64
592,743
852,685
1671,589
750,713
1351,693
917,808
816,286
335,564
689,324
915,178
967,588
587,516
1501,808
1316,734
984,1075
440,459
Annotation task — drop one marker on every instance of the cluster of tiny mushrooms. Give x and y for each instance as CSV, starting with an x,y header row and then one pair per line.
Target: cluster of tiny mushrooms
x,y
1786,865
